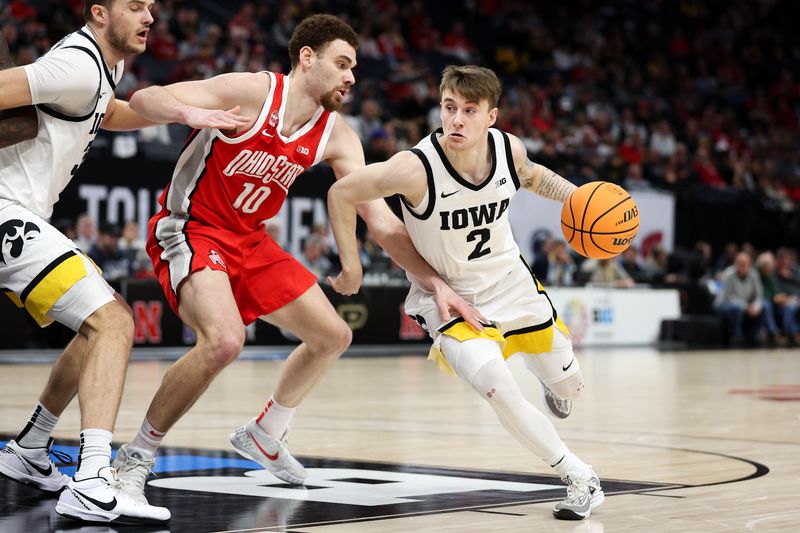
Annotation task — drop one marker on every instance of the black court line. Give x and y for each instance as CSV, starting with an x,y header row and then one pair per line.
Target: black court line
x,y
497,512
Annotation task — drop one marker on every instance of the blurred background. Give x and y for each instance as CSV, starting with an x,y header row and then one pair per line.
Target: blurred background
x,y
692,106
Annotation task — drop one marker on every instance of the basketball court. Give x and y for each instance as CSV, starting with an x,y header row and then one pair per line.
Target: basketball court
x,y
682,441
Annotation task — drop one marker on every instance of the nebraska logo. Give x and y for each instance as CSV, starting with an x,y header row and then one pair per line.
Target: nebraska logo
x,y
264,166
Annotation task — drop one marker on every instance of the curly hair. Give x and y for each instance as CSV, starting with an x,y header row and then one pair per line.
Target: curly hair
x,y
317,31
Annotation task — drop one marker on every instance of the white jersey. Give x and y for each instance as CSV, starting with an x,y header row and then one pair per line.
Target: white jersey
x,y
71,86
462,229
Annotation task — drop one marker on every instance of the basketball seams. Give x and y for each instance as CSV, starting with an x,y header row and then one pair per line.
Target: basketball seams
x,y
585,209
599,242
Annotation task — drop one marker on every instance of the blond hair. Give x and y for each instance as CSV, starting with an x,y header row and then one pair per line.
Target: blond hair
x,y
472,82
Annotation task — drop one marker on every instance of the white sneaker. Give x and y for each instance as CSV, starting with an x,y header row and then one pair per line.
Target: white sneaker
x,y
99,499
132,472
33,466
584,493
252,442
556,406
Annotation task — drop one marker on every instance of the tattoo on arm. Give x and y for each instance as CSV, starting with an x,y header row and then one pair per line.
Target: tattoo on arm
x,y
553,186
17,124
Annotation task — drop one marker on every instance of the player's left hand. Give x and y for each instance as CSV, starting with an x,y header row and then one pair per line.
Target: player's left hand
x,y
348,281
447,299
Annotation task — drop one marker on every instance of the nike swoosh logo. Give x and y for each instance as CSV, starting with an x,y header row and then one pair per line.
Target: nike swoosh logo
x,y
264,132
267,455
106,506
45,472
565,368
449,194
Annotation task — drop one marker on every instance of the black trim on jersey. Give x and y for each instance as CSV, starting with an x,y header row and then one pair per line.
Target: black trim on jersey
x,y
189,140
536,285
444,327
531,329
105,67
431,188
43,274
510,160
69,118
456,176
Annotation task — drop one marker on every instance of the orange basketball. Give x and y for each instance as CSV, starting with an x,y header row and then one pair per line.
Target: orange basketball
x,y
599,220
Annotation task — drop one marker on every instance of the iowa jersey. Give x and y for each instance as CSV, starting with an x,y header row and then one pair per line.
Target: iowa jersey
x,y
71,86
235,183
462,229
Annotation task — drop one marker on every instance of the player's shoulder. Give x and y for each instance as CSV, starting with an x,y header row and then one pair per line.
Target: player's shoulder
x,y
518,151
409,163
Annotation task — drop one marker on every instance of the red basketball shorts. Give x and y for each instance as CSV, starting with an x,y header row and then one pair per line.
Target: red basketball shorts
x,y
263,276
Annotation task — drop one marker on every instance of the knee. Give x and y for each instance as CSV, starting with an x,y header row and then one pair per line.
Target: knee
x,y
570,388
332,341
113,319
221,347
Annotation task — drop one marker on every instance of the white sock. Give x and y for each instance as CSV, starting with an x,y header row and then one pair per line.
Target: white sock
x,y
95,452
569,462
147,440
37,431
275,418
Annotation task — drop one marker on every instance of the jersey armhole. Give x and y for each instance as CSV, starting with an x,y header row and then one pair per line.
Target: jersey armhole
x,y
510,160
431,189
69,118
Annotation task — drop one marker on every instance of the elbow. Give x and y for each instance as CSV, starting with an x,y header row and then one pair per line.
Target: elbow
x,y
29,128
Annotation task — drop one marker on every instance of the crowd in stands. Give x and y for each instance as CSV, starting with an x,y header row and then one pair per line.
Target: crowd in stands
x,y
697,97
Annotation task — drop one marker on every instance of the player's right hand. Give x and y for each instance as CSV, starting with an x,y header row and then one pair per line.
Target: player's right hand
x,y
197,118
348,281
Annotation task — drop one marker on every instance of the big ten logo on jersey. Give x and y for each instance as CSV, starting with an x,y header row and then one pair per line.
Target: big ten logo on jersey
x,y
98,119
121,204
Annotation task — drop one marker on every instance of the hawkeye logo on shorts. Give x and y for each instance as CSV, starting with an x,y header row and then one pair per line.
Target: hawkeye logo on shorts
x,y
13,234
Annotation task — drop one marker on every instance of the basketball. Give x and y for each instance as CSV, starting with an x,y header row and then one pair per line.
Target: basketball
x,y
599,220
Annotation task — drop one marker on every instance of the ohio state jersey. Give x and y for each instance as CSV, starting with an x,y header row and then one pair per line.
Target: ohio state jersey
x,y
237,182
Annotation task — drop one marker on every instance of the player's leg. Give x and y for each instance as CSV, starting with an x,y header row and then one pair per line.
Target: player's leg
x,y
481,364
559,373
27,457
208,307
325,336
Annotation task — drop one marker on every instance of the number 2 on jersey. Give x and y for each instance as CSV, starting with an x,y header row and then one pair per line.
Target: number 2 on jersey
x,y
249,203
483,234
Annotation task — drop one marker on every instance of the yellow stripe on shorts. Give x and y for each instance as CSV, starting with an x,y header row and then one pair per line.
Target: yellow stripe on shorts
x,y
462,331
14,298
50,284
534,339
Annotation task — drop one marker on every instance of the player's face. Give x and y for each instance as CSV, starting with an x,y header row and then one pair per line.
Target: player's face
x,y
332,74
465,123
129,25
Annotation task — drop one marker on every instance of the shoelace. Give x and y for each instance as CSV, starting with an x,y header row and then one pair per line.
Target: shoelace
x,y
577,490
137,481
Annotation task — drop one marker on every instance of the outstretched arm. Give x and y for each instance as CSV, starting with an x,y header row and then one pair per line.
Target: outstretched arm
x,y
211,103
17,124
537,178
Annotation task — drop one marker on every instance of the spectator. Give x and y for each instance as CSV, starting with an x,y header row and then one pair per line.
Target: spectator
x,y
313,257
133,250
765,264
561,268
86,232
107,256
607,273
787,298
740,296
632,265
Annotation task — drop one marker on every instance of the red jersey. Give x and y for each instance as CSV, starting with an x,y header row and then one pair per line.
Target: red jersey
x,y
235,183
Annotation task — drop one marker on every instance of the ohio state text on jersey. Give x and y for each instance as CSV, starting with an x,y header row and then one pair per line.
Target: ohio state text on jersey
x,y
236,183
